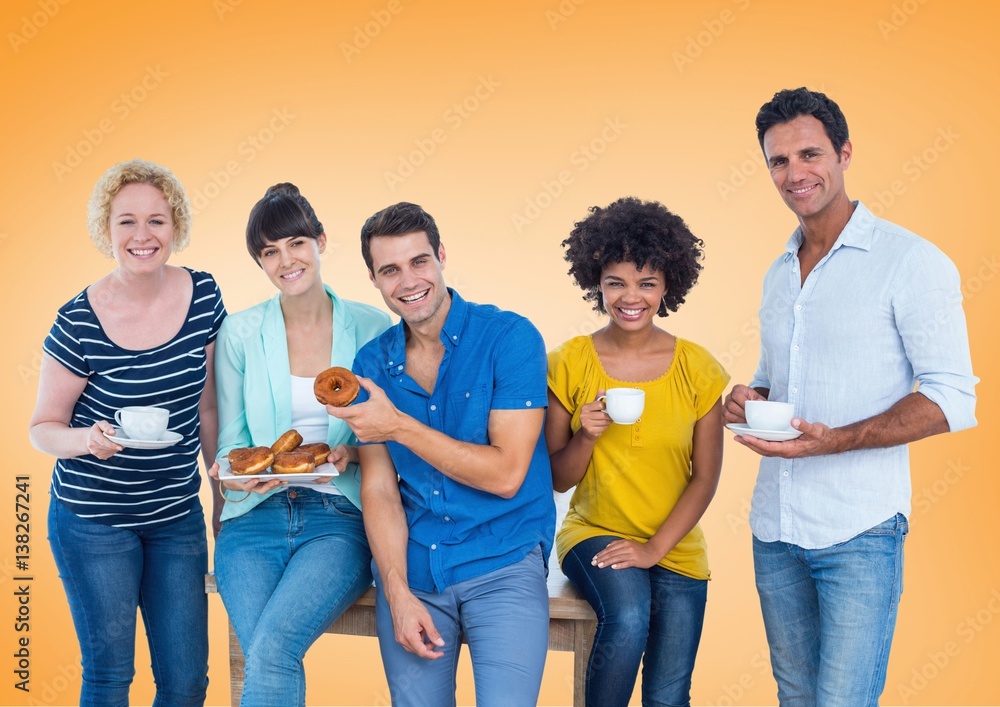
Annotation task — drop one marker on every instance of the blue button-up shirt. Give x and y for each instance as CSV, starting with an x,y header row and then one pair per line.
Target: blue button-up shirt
x,y
880,313
493,360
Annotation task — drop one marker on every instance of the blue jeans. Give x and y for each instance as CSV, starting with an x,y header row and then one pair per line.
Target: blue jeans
x,y
650,615
504,617
829,615
107,572
286,570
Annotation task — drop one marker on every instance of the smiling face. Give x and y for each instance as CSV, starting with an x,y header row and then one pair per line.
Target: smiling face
x,y
632,296
293,264
409,276
806,169
141,226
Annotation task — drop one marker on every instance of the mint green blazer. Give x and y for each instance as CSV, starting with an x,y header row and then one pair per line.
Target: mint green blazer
x,y
253,381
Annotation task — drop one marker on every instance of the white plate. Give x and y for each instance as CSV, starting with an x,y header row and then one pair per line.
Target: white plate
x,y
167,440
323,470
741,428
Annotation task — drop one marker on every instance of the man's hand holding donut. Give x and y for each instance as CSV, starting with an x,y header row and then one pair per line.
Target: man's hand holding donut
x,y
375,420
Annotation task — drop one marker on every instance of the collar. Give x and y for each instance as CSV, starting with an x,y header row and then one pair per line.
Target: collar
x,y
274,341
856,234
452,334
273,324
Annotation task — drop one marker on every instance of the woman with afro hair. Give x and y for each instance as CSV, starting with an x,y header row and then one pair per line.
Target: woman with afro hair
x,y
630,541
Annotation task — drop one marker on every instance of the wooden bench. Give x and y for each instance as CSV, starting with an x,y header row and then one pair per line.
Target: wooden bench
x,y
571,628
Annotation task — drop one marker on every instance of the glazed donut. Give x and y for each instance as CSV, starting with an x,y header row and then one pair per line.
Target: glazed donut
x,y
336,386
287,442
250,460
319,450
293,463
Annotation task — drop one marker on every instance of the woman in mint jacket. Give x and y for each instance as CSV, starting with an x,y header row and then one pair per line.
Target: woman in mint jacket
x,y
290,557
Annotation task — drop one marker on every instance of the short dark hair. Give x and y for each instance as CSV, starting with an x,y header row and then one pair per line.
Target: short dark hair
x,y
281,213
634,231
398,220
789,104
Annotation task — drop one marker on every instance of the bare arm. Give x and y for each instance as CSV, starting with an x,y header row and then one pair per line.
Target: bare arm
x,y
569,452
385,525
498,467
49,430
208,416
706,467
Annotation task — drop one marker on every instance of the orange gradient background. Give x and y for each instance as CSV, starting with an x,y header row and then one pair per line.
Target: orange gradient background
x,y
507,121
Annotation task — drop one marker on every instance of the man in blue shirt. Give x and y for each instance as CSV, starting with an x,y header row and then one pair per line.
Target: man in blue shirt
x,y
456,485
856,312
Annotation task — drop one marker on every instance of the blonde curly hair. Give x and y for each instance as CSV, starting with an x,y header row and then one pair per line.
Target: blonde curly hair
x,y
137,172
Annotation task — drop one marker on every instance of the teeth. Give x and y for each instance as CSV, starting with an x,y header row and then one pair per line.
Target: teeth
x,y
414,298
291,275
630,312
143,251
801,191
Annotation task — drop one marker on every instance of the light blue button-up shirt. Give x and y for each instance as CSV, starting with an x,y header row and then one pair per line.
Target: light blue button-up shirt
x,y
879,314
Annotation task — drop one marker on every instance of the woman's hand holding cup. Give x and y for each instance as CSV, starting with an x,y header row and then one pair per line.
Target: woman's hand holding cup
x,y
99,445
593,419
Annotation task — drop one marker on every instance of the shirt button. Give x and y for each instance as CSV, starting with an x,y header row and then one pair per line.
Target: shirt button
x,y
434,407
455,337
448,518
795,390
786,473
466,395
528,403
392,363
399,368
434,547
795,348
437,493
798,307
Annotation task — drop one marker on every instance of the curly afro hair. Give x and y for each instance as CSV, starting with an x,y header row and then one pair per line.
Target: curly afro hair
x,y
634,231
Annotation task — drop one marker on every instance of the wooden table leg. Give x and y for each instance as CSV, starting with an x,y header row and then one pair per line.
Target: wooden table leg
x,y
235,668
583,640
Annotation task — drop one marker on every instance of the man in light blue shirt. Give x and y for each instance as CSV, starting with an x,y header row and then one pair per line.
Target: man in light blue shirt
x,y
856,312
455,483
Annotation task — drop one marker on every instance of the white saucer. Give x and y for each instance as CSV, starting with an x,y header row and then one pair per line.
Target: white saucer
x,y
168,439
741,428
322,471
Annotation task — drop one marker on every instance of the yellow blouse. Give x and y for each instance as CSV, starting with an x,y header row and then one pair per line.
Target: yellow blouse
x,y
637,472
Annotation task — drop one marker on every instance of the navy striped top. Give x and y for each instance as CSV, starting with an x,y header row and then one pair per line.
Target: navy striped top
x,y
136,488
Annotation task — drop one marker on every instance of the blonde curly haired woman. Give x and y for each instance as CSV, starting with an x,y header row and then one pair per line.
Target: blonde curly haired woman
x,y
125,523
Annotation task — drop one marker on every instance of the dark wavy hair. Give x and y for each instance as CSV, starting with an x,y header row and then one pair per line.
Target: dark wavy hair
x,y
633,231
281,213
789,104
398,220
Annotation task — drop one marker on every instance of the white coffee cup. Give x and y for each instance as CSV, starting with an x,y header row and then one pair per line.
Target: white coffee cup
x,y
624,405
143,423
769,415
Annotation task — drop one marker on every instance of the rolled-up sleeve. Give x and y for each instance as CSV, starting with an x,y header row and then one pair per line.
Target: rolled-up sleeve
x,y
931,323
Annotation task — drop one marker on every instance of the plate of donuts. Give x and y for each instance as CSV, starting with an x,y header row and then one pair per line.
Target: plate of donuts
x,y
322,471
288,458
